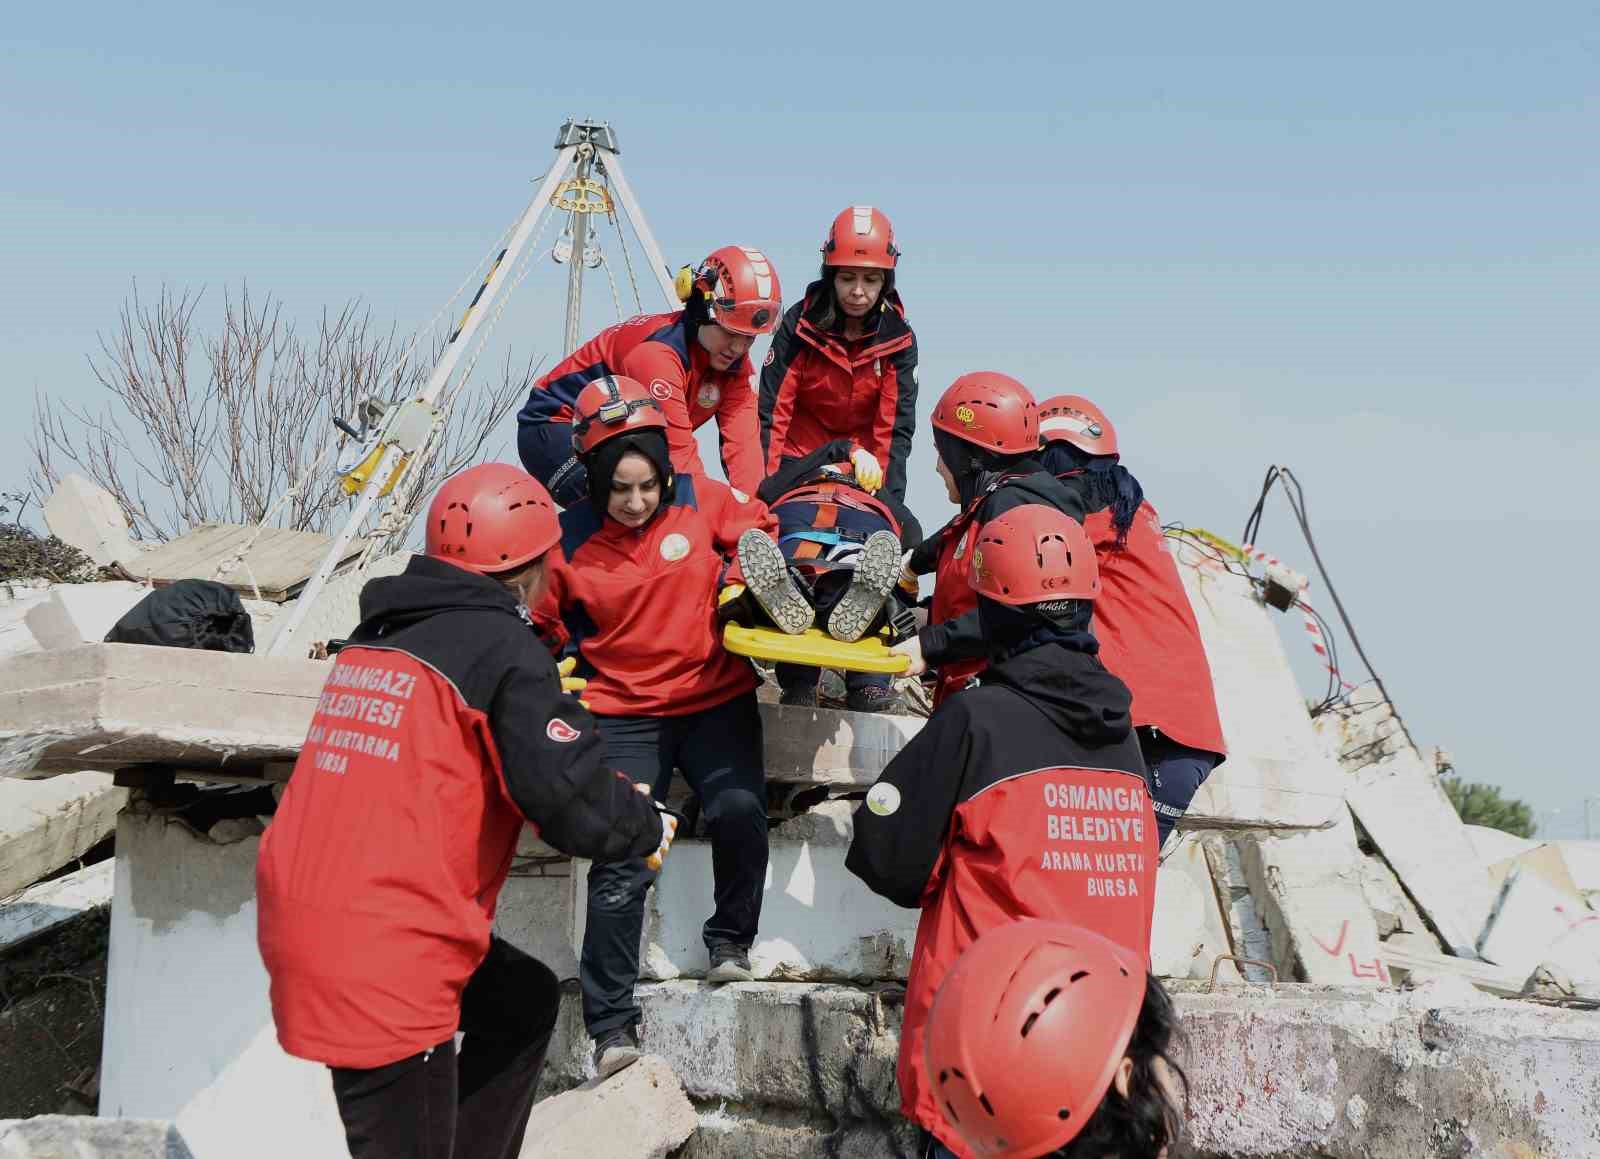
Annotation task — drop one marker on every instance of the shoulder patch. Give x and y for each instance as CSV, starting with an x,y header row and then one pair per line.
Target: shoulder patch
x,y
883,799
771,357
710,395
560,730
674,547
661,390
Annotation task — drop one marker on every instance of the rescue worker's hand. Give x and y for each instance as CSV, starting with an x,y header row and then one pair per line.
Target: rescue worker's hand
x,y
570,684
669,830
869,472
912,648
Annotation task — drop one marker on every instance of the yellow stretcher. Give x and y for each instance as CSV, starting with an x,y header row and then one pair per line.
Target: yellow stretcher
x,y
815,649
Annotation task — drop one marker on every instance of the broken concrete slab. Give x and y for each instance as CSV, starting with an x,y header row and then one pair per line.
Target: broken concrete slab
x,y
640,1112
1492,845
1247,932
106,706
1534,922
50,904
15,604
1401,806
85,1137
1189,931
1583,863
1545,860
78,614
277,564
46,825
87,516
1307,888
1277,767
1392,911
538,913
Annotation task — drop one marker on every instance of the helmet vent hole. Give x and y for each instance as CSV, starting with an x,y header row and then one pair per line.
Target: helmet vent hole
x,y
1054,994
983,1101
958,1074
1079,976
505,555
951,1111
1027,1025
469,527
1063,1114
943,1075
514,506
1124,971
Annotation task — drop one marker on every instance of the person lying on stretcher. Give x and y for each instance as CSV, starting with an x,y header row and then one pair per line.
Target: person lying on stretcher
x,y
837,556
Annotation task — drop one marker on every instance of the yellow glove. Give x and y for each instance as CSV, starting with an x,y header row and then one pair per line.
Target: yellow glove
x,y
868,471
570,684
669,830
729,594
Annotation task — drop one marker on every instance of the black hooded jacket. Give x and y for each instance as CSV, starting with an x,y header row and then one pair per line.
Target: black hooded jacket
x,y
1049,707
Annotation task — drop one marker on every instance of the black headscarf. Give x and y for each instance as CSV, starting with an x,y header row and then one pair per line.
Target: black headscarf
x,y
602,463
1106,482
973,467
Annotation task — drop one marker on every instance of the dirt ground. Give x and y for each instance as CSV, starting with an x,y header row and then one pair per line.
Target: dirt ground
x,y
52,1008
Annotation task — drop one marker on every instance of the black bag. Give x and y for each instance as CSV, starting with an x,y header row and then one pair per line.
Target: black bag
x,y
191,613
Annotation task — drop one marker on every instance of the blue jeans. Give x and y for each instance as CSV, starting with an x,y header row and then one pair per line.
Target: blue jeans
x,y
719,752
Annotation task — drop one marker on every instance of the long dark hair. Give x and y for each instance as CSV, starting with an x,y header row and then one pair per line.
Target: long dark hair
x,y
1105,482
823,311
1140,1125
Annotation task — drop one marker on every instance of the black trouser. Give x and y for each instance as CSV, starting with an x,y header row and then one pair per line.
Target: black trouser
x,y
825,593
1175,773
475,1105
719,753
546,450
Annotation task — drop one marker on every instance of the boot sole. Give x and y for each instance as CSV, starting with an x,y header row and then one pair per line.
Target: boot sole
x,y
616,1060
877,571
766,575
729,973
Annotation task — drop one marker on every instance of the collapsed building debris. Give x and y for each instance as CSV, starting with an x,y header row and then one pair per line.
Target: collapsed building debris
x,y
1324,850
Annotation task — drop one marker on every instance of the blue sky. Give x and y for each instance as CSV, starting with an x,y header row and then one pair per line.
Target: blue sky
x,y
1361,241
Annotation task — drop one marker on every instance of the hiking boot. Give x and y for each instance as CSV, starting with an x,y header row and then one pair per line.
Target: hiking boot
x,y
877,571
766,574
872,698
615,1050
799,696
730,963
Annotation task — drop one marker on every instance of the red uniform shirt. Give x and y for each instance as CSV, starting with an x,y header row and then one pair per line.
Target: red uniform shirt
x,y
640,606
1148,634
657,351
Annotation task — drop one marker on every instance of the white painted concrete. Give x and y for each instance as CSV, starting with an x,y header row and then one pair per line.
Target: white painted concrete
x,y
638,1113
1189,931
1492,845
1400,804
15,604
86,515
1277,768
1583,863
1534,922
43,907
45,825
78,614
337,608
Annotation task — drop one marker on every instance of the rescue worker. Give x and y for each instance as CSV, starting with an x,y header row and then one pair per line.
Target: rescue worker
x,y
1023,797
986,431
843,364
1048,1040
693,362
834,563
1146,628
441,731
635,597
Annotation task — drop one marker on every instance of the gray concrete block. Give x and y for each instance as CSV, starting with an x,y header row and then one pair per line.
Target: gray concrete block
x,y
639,1113
78,614
1189,931
86,515
1534,922
1401,806
82,1137
45,825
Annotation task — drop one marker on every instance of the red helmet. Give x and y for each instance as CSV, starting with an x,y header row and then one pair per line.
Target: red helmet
x,y
861,236
741,289
612,405
1027,1032
490,518
1071,418
1032,554
990,410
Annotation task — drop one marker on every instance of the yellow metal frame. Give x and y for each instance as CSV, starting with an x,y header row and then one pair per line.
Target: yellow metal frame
x,y
815,648
581,195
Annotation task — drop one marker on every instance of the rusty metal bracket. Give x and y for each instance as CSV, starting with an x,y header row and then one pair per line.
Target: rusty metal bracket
x,y
1211,986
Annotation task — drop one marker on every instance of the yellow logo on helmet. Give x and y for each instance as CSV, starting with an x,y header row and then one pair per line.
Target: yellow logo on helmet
x,y
964,415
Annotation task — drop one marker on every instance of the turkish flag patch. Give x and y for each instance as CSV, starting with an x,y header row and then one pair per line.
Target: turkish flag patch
x,y
661,390
560,730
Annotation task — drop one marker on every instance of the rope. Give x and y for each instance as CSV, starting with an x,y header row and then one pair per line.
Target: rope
x,y
616,299
627,260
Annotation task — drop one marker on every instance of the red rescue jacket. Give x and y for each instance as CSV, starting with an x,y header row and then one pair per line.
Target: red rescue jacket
x,y
658,351
1148,634
1024,797
815,387
440,730
639,606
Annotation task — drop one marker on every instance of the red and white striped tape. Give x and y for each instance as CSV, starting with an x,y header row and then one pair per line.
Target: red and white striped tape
x,y
1319,643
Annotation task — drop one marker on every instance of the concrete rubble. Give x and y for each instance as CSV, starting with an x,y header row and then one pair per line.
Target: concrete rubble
x,y
85,515
81,1137
41,908
638,1113
1324,848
